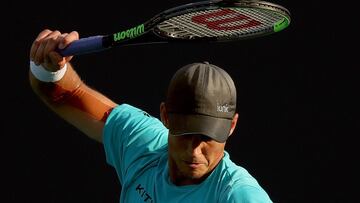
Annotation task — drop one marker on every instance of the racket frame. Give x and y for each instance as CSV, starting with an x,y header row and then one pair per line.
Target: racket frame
x,y
148,33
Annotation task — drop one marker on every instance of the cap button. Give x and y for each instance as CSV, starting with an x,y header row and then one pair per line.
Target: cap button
x,y
205,62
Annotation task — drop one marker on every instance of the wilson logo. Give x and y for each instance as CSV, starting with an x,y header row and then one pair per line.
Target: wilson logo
x,y
225,19
130,33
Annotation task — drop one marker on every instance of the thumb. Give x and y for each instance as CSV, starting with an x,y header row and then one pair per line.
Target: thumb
x,y
61,45
56,60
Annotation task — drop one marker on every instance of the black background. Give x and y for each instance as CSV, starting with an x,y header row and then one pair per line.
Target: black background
x,y
297,99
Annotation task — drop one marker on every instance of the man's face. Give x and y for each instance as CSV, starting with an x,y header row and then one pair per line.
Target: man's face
x,y
193,157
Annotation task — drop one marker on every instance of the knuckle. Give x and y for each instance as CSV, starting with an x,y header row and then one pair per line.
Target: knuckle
x,y
56,32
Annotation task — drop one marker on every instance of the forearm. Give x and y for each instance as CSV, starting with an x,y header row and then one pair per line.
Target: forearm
x,y
74,101
56,93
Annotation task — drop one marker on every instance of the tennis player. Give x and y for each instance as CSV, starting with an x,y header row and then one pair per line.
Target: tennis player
x,y
177,158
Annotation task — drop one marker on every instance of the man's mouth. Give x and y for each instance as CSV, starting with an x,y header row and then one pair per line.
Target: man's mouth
x,y
192,164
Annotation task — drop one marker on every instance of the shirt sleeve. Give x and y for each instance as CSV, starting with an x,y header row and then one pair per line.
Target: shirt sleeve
x,y
132,140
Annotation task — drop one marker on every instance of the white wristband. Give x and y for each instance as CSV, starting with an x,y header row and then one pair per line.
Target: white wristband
x,y
46,76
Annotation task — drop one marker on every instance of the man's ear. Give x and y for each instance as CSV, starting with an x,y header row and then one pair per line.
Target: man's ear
x,y
163,115
233,123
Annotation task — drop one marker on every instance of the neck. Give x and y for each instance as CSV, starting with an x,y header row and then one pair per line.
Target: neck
x,y
179,179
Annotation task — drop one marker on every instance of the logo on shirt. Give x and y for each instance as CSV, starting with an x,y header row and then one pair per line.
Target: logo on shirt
x,y
145,113
143,194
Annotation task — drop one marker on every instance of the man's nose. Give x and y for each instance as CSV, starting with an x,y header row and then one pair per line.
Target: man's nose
x,y
194,145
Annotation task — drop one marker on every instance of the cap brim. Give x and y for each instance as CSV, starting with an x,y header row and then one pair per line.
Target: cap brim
x,y
215,128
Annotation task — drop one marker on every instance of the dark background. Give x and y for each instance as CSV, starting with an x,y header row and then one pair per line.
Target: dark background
x,y
297,99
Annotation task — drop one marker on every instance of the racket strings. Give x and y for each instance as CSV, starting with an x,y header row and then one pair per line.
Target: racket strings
x,y
228,22
265,16
179,27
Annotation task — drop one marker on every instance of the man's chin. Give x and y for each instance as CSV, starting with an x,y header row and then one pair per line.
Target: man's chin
x,y
195,173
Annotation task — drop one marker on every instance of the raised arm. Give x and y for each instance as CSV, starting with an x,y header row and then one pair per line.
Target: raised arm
x,y
54,80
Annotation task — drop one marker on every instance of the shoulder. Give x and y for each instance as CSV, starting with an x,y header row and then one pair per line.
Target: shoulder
x,y
126,110
240,185
132,140
127,122
234,174
247,194
131,117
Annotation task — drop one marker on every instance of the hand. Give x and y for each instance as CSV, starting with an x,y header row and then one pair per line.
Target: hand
x,y
43,50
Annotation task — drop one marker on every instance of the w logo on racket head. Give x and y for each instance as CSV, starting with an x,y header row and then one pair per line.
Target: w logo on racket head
x,y
205,21
225,20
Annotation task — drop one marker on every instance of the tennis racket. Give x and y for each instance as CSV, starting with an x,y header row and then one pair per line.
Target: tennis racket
x,y
205,21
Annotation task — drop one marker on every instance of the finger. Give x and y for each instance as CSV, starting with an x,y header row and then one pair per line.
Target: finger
x,y
36,42
38,55
53,41
61,39
57,60
68,39
46,41
54,61
64,41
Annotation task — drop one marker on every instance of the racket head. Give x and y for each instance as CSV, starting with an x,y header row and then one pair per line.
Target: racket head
x,y
220,21
217,20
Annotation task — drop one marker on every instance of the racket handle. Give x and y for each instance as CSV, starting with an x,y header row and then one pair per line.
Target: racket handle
x,y
84,46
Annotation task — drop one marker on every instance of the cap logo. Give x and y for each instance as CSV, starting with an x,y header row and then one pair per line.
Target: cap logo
x,y
222,108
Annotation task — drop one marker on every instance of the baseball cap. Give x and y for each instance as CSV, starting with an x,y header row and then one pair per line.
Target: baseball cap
x,y
201,99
